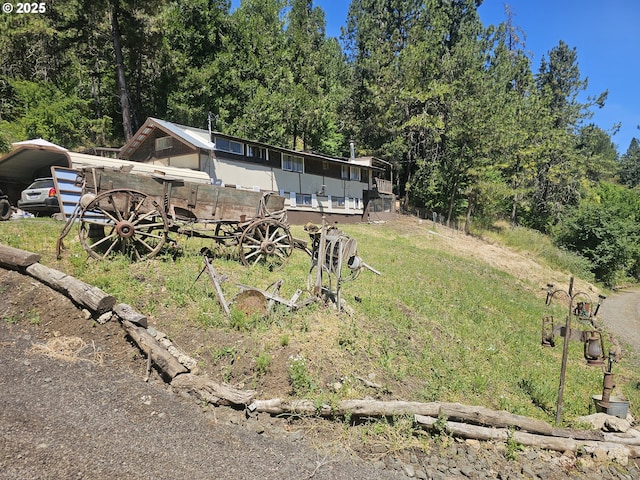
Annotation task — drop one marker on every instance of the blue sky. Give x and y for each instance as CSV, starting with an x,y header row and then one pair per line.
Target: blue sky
x,y
606,36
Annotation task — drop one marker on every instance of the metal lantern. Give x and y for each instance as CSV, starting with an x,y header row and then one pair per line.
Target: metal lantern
x,y
548,339
593,347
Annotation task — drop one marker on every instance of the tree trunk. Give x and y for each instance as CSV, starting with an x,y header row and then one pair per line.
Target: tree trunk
x,y
467,219
123,91
452,199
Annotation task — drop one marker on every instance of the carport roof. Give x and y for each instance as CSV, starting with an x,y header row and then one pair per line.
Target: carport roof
x,y
30,160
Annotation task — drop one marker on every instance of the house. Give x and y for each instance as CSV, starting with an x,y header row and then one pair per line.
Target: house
x,y
343,190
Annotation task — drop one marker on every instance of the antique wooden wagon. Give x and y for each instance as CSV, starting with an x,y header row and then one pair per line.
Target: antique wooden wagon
x,y
134,213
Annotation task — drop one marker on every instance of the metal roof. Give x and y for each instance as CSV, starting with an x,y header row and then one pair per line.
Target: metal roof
x,y
201,139
29,161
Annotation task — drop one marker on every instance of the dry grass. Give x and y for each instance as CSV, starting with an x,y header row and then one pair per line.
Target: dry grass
x,y
69,349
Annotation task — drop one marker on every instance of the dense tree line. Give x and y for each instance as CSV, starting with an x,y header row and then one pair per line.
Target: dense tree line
x,y
473,128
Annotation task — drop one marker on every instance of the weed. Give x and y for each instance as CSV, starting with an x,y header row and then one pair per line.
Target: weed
x,y
513,447
263,360
299,378
33,316
222,352
284,340
11,319
440,431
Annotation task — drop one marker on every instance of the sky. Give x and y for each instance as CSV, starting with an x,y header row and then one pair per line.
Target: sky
x,y
605,35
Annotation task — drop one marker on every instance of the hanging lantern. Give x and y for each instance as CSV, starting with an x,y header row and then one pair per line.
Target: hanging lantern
x,y
548,339
593,347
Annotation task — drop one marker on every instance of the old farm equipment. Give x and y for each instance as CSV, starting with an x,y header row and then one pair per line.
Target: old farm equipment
x,y
133,214
334,260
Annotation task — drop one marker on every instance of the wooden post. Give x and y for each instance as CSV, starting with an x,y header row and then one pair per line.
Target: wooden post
x,y
214,278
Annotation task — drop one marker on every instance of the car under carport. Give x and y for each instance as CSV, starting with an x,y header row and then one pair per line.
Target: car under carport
x,y
28,161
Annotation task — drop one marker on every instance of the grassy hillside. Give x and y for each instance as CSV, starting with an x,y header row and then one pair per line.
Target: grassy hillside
x,y
452,318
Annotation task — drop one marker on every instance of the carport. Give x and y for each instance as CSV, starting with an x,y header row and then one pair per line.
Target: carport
x,y
28,161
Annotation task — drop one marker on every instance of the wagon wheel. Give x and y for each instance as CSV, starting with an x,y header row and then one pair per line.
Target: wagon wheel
x,y
124,221
266,240
227,233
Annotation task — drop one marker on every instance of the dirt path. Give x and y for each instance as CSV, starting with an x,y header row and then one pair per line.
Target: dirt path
x,y
621,316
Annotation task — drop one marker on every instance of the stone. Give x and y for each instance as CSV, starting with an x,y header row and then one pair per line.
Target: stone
x,y
104,318
528,472
615,424
409,471
467,471
600,454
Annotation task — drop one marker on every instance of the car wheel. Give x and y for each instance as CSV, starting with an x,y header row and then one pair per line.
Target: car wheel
x,y
5,209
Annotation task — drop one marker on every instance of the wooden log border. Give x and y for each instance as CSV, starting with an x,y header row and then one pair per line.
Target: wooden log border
x,y
472,422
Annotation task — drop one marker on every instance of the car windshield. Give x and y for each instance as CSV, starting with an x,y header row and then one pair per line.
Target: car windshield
x,y
42,183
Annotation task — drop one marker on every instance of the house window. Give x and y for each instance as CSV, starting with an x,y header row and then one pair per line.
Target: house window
x,y
292,164
303,199
256,152
230,146
350,173
164,143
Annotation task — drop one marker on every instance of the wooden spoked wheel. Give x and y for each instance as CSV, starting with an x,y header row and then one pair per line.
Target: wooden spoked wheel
x,y
266,241
227,232
123,221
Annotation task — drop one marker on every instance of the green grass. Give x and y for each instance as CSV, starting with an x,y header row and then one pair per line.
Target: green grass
x,y
436,326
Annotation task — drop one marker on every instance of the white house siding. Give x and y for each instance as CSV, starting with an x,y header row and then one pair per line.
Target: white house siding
x,y
249,175
181,161
243,174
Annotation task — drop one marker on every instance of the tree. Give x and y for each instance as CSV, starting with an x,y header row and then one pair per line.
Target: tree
x,y
560,169
604,228
195,81
377,33
42,110
629,166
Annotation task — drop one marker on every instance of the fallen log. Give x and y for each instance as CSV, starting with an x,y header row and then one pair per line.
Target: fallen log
x,y
485,416
473,414
374,408
81,293
560,444
166,362
15,259
212,392
126,312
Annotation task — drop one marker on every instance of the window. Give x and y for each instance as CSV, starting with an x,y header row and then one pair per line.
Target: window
x,y
292,164
350,173
229,146
256,152
164,143
303,199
